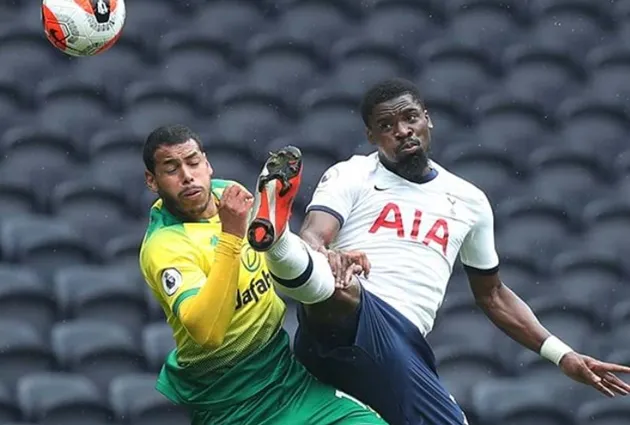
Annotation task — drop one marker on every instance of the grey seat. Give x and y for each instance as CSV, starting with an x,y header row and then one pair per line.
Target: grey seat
x,y
502,121
98,350
314,20
22,351
400,24
609,64
157,343
195,61
458,71
589,277
461,368
606,223
9,410
236,21
150,105
247,113
604,412
541,74
43,243
61,399
136,401
517,402
485,23
111,295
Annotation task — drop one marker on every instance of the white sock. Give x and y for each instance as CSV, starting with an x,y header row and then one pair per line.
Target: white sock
x,y
299,272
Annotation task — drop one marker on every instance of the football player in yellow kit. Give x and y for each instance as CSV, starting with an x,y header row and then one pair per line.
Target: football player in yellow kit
x,y
232,363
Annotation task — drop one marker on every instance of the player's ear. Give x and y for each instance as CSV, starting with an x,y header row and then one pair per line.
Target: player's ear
x,y
428,117
370,136
149,179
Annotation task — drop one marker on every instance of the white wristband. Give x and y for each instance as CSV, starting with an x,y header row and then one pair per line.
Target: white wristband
x,y
554,350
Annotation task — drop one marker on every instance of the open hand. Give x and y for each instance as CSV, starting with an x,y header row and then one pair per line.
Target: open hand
x,y
597,374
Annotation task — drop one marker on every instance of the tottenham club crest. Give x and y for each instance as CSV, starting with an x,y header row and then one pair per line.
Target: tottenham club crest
x,y
171,280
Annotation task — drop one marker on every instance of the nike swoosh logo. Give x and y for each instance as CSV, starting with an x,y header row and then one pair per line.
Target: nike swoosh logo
x,y
380,188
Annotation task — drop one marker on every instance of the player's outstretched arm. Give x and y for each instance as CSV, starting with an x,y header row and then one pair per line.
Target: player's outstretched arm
x,y
514,317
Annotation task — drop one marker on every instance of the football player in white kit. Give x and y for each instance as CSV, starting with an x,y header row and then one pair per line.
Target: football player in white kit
x,y
363,324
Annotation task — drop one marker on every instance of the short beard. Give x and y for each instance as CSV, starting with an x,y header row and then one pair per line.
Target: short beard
x,y
413,167
190,215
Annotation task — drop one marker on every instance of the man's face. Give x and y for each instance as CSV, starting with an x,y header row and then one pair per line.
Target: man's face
x,y
182,178
401,129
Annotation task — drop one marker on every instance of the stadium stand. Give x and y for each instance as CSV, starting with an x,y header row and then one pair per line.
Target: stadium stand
x,y
529,101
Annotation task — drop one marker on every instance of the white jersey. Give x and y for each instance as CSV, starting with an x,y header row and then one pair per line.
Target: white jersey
x,y
412,233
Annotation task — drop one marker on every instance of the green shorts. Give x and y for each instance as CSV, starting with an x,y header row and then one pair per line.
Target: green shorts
x,y
269,387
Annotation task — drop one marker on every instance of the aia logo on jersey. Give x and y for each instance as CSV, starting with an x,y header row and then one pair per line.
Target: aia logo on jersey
x,y
391,218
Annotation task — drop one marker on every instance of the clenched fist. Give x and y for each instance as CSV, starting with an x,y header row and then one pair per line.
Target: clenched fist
x,y
234,208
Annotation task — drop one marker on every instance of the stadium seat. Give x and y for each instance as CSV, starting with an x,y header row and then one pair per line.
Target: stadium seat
x,y
136,401
150,105
358,64
17,198
42,243
462,367
91,200
248,113
66,103
9,411
61,399
504,122
318,21
403,25
584,119
25,297
157,342
123,250
491,169
195,61
282,65
151,19
604,412
523,276
13,104
98,350
464,322
235,21
606,223
609,64
455,70
521,215
620,314
541,75
330,117
588,277
31,148
112,295
574,27
119,67
503,401
561,175
27,56
490,24
114,144
22,350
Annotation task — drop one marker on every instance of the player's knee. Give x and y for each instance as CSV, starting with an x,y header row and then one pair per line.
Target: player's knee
x,y
318,286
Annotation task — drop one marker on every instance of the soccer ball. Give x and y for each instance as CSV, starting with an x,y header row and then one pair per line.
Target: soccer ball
x,y
83,27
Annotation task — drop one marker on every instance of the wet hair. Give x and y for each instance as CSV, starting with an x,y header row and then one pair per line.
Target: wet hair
x,y
169,135
384,91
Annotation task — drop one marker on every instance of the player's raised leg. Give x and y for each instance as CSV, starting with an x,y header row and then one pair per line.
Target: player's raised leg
x,y
297,271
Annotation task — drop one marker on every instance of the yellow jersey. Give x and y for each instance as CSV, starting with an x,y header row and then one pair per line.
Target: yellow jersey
x,y
176,257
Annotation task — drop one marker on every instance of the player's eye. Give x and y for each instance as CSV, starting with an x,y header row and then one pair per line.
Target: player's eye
x,y
384,126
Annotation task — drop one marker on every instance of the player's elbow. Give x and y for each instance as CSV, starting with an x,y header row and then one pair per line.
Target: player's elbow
x,y
201,334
